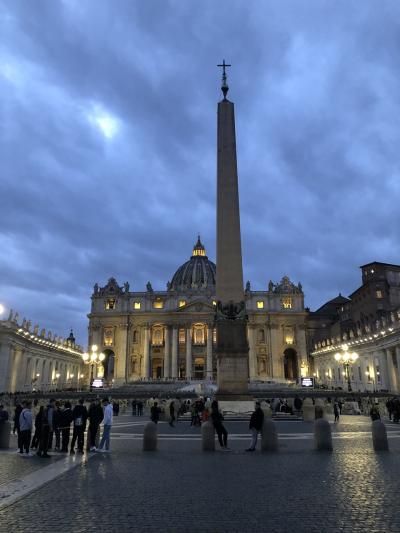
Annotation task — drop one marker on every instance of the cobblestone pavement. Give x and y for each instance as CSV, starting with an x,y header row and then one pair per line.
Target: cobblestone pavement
x,y
181,489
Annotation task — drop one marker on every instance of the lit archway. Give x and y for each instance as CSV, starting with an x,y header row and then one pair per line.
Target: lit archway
x,y
108,365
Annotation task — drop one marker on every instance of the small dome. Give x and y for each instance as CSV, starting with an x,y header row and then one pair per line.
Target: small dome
x,y
197,273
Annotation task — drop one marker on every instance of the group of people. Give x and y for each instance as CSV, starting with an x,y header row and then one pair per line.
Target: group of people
x,y
393,407
51,424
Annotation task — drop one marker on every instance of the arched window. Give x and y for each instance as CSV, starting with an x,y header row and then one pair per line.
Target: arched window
x,y
261,335
199,334
158,336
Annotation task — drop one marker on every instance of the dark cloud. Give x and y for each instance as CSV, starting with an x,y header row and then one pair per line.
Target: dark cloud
x,y
108,143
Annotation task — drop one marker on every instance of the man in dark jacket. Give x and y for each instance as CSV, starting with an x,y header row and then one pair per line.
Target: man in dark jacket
x,y
65,426
255,426
79,417
47,427
155,413
57,425
95,417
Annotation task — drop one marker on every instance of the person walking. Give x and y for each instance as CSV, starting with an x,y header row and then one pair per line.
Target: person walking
x,y
155,413
255,426
108,420
95,418
79,417
47,427
217,418
336,411
25,427
171,414
65,426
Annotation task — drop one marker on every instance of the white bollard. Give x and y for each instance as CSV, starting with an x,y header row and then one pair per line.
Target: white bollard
x,y
322,435
150,437
207,437
379,436
269,436
308,410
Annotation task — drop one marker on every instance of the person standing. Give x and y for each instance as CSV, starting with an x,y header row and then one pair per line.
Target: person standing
x,y
47,427
79,417
25,427
95,418
17,412
336,411
38,428
140,408
255,426
3,414
217,418
65,426
155,413
171,414
57,424
115,408
108,420
133,407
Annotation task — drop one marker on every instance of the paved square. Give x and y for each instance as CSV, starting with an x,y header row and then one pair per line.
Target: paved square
x,y
181,489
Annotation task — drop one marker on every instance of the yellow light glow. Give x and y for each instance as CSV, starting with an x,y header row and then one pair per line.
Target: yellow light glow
x,y
85,356
102,357
71,376
260,304
158,304
199,251
287,302
136,305
1,309
94,347
338,356
214,302
57,375
93,356
182,303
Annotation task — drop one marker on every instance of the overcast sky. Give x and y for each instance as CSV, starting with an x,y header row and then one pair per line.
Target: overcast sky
x,y
108,143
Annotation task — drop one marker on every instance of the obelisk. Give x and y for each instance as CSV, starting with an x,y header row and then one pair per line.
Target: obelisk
x,y
231,320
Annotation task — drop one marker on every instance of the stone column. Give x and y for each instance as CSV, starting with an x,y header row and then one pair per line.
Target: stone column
x,y
391,371
166,353
209,352
276,356
253,370
189,353
397,370
174,372
5,364
146,354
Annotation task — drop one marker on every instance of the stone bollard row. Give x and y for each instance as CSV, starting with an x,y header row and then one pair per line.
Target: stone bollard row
x,y
322,435
379,436
269,436
207,437
150,437
5,432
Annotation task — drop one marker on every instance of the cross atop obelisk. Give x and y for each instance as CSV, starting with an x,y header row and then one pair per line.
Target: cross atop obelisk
x,y
224,86
232,346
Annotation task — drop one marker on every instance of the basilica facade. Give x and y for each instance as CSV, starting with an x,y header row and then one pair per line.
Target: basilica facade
x,y
171,334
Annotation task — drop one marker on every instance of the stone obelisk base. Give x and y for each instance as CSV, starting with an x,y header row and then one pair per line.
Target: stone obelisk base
x,y
232,357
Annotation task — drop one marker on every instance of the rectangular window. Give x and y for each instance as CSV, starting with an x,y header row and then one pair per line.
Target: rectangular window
x,y
182,303
260,304
182,337
379,294
287,302
137,305
110,303
158,304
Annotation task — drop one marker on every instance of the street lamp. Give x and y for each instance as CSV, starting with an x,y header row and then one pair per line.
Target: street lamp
x,y
93,359
347,359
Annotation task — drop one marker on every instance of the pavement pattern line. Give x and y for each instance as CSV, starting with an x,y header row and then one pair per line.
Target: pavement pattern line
x,y
19,488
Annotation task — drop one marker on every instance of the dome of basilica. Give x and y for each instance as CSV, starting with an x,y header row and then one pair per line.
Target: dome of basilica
x,y
197,273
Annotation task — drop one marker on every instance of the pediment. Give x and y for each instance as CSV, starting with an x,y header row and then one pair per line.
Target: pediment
x,y
198,306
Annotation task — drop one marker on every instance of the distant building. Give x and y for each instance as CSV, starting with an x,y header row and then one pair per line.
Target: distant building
x,y
30,360
171,335
368,321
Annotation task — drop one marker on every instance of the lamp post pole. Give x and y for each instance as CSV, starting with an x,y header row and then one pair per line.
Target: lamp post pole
x,y
347,359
